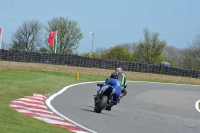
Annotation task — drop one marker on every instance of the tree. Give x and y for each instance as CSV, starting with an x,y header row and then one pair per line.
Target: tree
x,y
118,53
4,45
150,49
192,54
44,50
94,55
188,63
68,34
129,47
101,51
28,36
173,56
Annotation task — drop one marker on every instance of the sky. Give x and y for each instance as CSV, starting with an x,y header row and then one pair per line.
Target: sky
x,y
112,21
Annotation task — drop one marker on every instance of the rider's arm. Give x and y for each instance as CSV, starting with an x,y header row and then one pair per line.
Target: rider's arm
x,y
107,81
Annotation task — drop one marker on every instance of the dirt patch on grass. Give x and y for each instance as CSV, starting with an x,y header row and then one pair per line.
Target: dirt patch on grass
x,y
7,65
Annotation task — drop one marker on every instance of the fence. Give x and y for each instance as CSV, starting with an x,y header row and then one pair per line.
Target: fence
x,y
75,60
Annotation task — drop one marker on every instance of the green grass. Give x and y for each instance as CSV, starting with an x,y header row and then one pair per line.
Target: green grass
x,y
17,84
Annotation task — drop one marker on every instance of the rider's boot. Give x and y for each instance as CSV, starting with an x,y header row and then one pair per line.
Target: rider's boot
x,y
121,95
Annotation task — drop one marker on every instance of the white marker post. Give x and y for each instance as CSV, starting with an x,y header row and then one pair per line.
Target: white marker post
x,y
1,34
56,41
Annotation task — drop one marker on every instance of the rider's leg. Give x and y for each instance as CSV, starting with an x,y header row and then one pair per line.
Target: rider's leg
x,y
124,91
116,96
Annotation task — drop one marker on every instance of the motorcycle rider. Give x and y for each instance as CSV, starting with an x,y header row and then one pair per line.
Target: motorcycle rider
x,y
115,84
122,78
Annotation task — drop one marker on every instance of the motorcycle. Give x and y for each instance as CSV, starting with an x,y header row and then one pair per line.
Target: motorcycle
x,y
103,99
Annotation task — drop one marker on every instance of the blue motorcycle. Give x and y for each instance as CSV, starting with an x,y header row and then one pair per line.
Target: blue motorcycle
x,y
103,99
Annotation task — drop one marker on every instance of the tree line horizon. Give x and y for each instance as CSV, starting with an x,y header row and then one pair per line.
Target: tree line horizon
x,y
32,36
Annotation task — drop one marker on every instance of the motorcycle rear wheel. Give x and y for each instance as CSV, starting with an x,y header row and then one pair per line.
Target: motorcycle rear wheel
x,y
101,105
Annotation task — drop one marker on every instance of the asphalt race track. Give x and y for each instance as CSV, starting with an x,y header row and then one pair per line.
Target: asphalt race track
x,y
147,108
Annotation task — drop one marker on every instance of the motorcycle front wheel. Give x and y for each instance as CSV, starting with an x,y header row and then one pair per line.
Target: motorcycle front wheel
x,y
101,104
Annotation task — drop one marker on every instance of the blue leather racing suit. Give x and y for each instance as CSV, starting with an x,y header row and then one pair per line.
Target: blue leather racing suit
x,y
116,85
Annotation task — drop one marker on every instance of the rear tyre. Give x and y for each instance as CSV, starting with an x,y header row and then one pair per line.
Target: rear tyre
x,y
101,105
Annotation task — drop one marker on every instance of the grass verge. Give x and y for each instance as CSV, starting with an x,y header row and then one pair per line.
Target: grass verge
x,y
17,84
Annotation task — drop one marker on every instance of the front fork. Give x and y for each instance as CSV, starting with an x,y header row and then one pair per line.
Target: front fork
x,y
97,99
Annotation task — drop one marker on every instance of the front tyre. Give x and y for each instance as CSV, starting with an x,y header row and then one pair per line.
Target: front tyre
x,y
108,108
101,105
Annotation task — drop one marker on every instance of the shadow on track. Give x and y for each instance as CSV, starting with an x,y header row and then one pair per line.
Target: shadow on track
x,y
88,110
89,106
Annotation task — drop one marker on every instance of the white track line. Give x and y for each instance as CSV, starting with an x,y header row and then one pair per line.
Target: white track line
x,y
48,103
